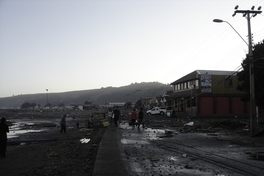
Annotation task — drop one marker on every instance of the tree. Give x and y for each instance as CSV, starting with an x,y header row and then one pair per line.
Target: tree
x,y
48,105
243,76
88,103
28,105
61,105
128,105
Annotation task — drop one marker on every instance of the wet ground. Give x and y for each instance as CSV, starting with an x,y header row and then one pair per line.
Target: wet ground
x,y
178,147
36,146
166,146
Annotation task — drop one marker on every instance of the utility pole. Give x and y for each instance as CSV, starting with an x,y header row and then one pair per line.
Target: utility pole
x,y
126,100
140,97
47,96
249,14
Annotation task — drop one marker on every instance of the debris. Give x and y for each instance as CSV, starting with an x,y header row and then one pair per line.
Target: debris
x,y
106,124
168,132
260,133
189,124
94,145
53,155
84,140
154,159
260,156
187,167
184,155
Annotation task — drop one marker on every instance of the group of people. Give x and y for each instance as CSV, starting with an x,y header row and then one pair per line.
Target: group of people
x,y
137,117
113,116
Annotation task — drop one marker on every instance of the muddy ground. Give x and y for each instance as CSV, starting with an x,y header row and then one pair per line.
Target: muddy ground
x,y
192,146
49,152
36,146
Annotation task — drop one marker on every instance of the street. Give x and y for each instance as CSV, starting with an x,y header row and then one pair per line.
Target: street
x,y
167,147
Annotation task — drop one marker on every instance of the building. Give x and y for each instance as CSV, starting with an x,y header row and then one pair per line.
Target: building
x,y
114,104
207,93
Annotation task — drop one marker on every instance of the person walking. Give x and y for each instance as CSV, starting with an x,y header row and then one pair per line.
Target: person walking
x,y
140,118
3,136
63,123
110,115
133,117
116,114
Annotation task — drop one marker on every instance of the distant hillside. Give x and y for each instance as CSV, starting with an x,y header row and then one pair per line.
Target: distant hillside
x,y
97,96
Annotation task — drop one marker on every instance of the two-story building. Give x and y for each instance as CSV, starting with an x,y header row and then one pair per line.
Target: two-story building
x,y
207,93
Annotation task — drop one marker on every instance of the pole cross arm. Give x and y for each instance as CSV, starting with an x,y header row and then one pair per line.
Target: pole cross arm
x,y
248,11
255,12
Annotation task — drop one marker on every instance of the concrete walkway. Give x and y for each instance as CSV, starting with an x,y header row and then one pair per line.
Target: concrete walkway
x,y
109,159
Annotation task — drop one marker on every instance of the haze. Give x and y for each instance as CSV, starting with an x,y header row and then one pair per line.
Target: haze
x,y
68,45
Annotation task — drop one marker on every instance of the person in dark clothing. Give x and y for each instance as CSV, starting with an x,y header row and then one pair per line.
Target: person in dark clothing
x,y
3,136
116,114
140,118
63,123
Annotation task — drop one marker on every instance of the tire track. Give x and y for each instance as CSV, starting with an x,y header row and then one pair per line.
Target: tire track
x,y
233,165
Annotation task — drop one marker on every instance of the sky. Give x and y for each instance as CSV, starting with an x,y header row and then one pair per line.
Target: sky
x,y
69,45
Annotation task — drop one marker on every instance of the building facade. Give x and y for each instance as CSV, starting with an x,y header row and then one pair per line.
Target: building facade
x,y
207,93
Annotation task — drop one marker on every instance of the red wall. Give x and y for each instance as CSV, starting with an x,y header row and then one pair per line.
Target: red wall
x,y
206,106
237,104
222,106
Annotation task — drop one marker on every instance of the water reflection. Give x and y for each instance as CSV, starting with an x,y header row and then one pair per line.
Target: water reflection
x,y
24,127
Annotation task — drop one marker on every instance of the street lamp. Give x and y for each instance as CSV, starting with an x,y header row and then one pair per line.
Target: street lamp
x,y
141,97
221,21
126,100
248,14
47,96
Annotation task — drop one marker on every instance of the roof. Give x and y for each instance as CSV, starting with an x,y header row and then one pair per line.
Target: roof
x,y
194,75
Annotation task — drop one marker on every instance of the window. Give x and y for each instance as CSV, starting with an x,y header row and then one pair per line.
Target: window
x,y
228,83
197,83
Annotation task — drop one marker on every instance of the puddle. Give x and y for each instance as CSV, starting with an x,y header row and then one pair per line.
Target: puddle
x,y
14,134
24,127
130,141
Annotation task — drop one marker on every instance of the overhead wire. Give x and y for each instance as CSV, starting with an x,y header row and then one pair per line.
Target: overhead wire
x,y
235,70
205,46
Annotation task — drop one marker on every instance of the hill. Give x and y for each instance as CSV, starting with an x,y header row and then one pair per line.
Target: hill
x,y
130,93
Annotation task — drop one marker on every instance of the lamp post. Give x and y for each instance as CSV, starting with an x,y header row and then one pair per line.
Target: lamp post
x,y
221,21
141,96
126,100
248,14
47,96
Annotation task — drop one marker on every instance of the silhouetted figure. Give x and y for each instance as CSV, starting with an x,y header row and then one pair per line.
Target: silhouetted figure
x,y
91,122
63,123
140,118
110,115
116,114
133,117
3,136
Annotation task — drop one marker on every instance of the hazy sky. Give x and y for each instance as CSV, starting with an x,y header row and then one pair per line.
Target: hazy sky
x,y
67,45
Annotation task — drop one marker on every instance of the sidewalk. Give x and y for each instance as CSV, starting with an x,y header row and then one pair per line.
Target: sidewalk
x,y
109,160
